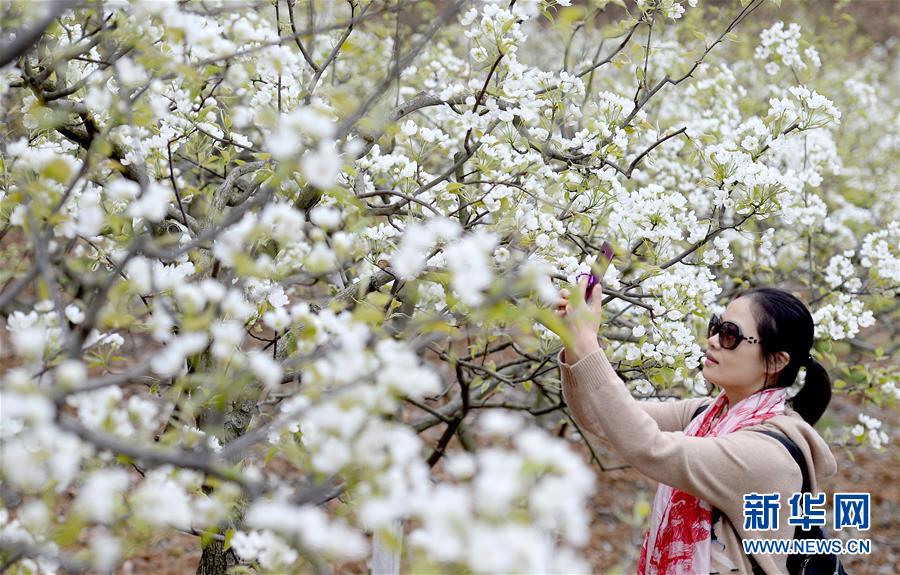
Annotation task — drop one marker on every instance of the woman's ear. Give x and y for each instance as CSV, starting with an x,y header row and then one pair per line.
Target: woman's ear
x,y
779,360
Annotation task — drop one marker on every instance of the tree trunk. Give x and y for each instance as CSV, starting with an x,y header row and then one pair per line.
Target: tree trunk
x,y
386,552
213,560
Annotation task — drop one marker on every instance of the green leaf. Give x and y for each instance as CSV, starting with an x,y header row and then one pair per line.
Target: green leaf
x,y
571,14
70,531
547,14
549,319
229,535
379,299
368,315
455,187
208,536
641,508
57,170
439,327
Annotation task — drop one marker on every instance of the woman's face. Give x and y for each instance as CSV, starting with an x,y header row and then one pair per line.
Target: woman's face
x,y
741,371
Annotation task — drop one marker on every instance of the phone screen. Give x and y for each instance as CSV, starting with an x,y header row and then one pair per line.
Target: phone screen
x,y
604,258
599,267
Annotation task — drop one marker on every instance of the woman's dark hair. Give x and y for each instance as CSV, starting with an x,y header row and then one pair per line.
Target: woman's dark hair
x,y
785,324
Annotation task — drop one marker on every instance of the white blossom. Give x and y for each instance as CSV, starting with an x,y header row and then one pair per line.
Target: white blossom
x,y
265,368
70,373
161,501
100,499
153,205
321,166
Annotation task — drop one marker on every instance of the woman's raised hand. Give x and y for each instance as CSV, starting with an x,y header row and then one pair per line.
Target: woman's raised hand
x,y
583,319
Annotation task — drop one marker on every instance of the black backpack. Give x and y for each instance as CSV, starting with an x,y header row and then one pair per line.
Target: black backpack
x,y
797,564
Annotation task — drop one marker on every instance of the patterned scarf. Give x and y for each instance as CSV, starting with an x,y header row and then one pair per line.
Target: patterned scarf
x,y
678,541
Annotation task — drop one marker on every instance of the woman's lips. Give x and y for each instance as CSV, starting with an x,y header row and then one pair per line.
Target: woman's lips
x,y
711,361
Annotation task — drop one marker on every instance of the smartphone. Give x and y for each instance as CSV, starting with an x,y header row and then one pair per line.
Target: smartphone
x,y
598,269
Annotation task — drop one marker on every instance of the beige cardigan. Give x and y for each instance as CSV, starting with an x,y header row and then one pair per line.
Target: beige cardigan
x,y
719,470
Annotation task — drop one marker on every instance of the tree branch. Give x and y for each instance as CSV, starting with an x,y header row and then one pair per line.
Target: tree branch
x,y
26,39
347,125
297,41
198,461
334,52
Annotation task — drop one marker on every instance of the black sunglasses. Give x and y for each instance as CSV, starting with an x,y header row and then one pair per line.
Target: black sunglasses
x,y
730,335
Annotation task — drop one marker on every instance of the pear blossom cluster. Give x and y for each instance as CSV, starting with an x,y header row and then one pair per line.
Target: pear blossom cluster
x,y
807,108
37,455
840,272
40,332
880,253
673,9
669,340
780,45
842,318
870,428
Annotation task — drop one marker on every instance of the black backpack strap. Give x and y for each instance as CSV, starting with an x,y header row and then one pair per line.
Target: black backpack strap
x,y
757,570
801,461
814,532
700,410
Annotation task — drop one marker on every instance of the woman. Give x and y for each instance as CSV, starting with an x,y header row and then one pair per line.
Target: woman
x,y
712,460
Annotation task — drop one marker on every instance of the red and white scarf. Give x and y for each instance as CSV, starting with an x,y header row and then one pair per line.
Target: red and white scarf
x,y
678,541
